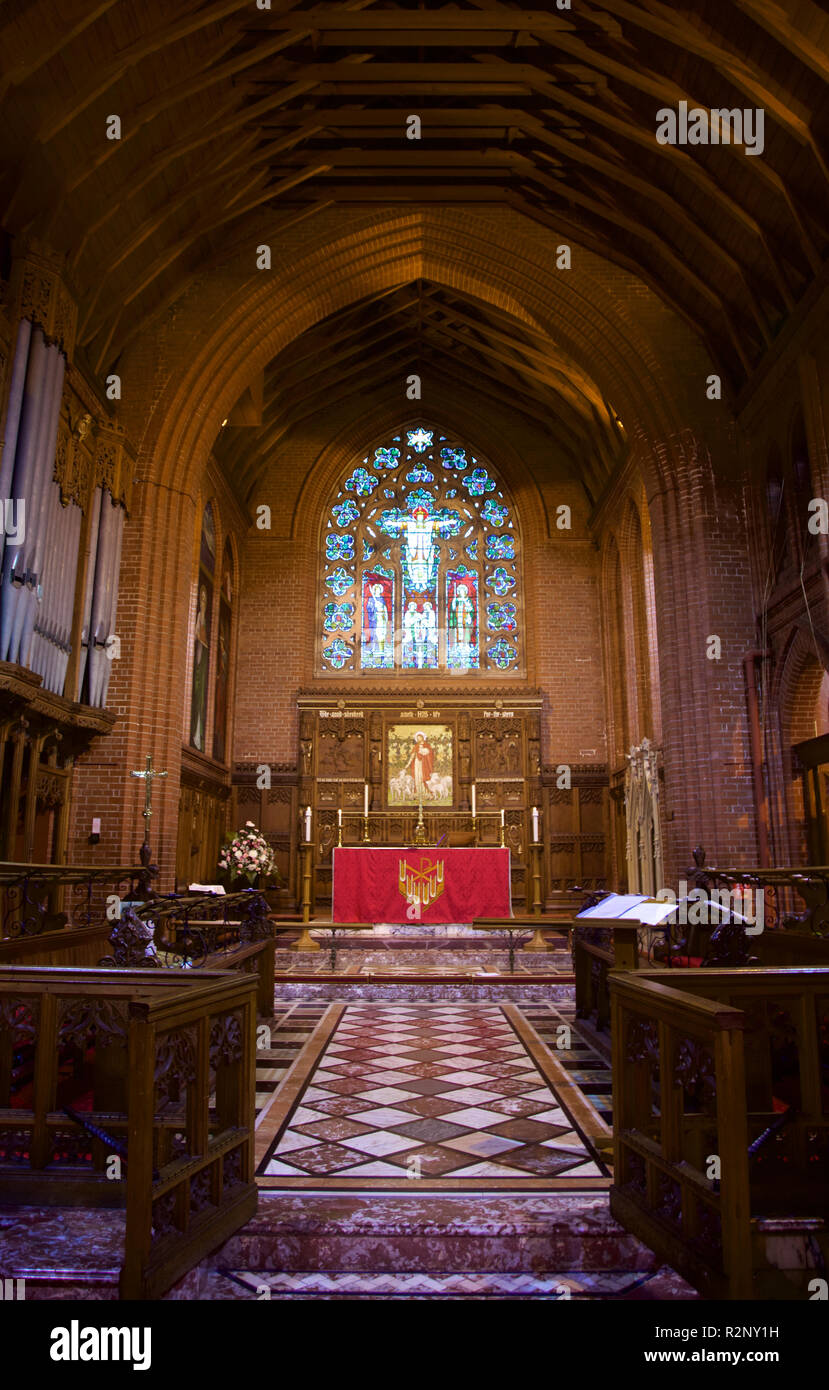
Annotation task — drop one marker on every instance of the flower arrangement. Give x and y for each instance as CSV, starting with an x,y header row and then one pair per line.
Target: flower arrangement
x,y
248,854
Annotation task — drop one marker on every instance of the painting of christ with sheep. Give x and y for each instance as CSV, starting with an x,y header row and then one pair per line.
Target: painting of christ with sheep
x,y
420,765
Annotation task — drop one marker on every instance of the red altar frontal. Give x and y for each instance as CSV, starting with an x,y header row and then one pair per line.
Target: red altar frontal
x,y
420,885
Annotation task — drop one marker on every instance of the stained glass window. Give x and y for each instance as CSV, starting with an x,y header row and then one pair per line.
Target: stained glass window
x,y
420,563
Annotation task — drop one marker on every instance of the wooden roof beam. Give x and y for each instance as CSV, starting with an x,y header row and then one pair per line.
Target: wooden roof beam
x,y
564,224
169,31
776,20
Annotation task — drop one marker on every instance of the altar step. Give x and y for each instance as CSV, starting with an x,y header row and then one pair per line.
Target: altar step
x,y
380,940
389,1246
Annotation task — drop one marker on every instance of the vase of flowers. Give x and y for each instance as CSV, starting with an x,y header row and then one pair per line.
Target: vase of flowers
x,y
247,855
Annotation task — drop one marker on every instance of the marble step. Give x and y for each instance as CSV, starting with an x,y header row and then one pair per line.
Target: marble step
x,y
304,1285
63,1253
433,1233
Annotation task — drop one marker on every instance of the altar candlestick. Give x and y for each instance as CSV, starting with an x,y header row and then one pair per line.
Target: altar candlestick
x,y
308,823
365,799
473,800
535,825
502,817
340,818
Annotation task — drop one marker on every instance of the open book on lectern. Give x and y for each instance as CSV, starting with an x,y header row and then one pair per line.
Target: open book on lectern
x,y
629,907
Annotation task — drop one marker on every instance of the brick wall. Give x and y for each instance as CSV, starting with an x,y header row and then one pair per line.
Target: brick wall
x,y
694,464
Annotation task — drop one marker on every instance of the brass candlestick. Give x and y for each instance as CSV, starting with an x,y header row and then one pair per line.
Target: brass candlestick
x,y
536,853
420,835
538,942
366,839
305,941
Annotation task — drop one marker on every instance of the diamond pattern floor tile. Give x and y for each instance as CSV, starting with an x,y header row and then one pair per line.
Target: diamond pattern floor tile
x,y
444,1090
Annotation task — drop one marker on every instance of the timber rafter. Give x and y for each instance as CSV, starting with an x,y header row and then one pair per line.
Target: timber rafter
x,y
235,119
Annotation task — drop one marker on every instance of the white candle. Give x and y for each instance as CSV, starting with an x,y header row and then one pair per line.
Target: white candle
x,y
473,800
365,799
339,817
535,825
502,817
308,823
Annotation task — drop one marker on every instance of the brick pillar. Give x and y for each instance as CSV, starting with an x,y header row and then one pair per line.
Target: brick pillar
x,y
703,590
149,690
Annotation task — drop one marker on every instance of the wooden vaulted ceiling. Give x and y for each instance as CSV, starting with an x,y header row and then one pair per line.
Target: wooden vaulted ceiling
x,y
238,120
442,336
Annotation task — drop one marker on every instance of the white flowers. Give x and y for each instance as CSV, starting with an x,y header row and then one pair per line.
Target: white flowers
x,y
247,853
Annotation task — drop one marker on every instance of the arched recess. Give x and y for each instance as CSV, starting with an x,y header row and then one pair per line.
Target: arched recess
x,y
202,629
629,620
638,634
224,665
217,630
616,702
616,665
802,716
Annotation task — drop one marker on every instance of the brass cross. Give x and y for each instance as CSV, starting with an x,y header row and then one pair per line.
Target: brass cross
x,y
148,774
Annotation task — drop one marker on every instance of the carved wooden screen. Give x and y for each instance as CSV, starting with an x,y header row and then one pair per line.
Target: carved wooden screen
x,y
421,565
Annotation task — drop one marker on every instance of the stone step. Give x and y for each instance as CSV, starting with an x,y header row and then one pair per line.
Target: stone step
x,y
63,1253
72,1286
304,1285
433,1233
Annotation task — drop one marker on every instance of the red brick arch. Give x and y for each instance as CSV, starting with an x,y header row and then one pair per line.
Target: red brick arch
x,y
609,328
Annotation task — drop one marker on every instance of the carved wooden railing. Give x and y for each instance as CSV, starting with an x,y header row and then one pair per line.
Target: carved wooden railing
x,y
216,931
596,951
201,926
781,887
166,1060
704,1063
37,898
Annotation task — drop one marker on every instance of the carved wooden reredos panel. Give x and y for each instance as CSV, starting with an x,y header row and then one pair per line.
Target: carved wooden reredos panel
x,y
493,741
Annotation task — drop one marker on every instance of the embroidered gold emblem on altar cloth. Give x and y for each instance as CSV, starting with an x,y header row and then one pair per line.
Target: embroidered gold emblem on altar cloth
x,y
421,885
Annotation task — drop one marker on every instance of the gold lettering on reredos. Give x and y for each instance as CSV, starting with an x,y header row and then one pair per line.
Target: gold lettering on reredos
x,y
421,885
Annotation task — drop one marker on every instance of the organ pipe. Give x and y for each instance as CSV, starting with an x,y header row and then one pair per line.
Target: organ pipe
x,y
36,536
38,570
102,600
92,551
116,567
15,405
13,559
72,522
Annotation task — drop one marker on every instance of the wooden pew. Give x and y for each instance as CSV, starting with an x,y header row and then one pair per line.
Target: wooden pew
x,y
723,1063
156,1047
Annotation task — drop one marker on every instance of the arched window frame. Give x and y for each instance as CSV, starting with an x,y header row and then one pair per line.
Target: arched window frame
x,y
222,683
482,550
201,633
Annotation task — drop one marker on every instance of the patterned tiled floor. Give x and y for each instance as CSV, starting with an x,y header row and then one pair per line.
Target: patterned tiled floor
x,y
427,1091
288,1033
588,1067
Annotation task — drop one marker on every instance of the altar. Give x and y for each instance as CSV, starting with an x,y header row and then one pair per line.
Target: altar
x,y
420,885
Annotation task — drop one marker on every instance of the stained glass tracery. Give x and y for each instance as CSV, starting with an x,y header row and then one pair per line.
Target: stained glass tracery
x,y
411,564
